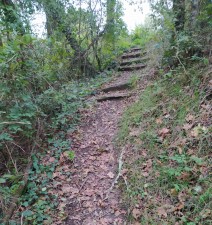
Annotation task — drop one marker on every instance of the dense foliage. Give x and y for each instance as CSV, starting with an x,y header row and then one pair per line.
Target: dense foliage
x,y
168,129
43,83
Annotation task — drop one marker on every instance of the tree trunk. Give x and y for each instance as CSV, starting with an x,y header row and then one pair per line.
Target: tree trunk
x,y
110,23
192,9
55,16
179,12
1,42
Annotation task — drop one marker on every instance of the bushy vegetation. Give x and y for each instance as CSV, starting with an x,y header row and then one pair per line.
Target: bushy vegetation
x,y
44,82
142,34
166,173
168,180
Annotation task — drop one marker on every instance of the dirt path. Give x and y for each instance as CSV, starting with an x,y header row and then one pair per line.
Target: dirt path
x,y
96,165
86,189
83,186
96,168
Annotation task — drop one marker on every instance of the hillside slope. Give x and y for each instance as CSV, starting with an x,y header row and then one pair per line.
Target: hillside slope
x,y
166,173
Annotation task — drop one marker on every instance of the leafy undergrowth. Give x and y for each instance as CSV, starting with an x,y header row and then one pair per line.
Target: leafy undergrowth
x,y
60,117
167,173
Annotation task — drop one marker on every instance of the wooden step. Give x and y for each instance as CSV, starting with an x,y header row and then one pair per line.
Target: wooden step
x,y
130,62
135,49
132,67
133,61
113,96
116,87
133,55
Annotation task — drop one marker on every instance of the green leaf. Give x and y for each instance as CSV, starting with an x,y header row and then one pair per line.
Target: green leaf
x,y
27,213
197,160
25,204
5,137
2,181
44,189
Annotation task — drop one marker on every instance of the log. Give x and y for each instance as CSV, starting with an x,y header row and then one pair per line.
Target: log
x,y
112,97
117,87
132,67
135,49
133,55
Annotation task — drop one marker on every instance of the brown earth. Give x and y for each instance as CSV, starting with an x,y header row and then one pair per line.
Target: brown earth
x,y
90,194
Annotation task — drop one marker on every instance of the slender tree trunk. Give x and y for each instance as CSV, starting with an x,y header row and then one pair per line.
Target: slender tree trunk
x,y
1,42
110,23
195,13
188,10
179,12
192,9
55,14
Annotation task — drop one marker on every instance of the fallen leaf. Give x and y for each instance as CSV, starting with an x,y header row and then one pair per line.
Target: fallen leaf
x,y
61,206
182,196
159,121
173,192
198,130
149,163
180,150
144,153
56,174
187,126
51,159
136,213
180,206
161,212
68,188
190,152
207,107
167,116
89,192
111,175
124,171
134,133
163,132
205,213
189,117
84,146
117,213
185,176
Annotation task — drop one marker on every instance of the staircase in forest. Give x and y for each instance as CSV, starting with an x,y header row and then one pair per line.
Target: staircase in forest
x,y
132,60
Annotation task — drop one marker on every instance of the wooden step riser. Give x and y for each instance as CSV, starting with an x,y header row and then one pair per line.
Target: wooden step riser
x,y
131,56
128,69
118,87
131,62
126,62
131,68
134,55
135,50
106,98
